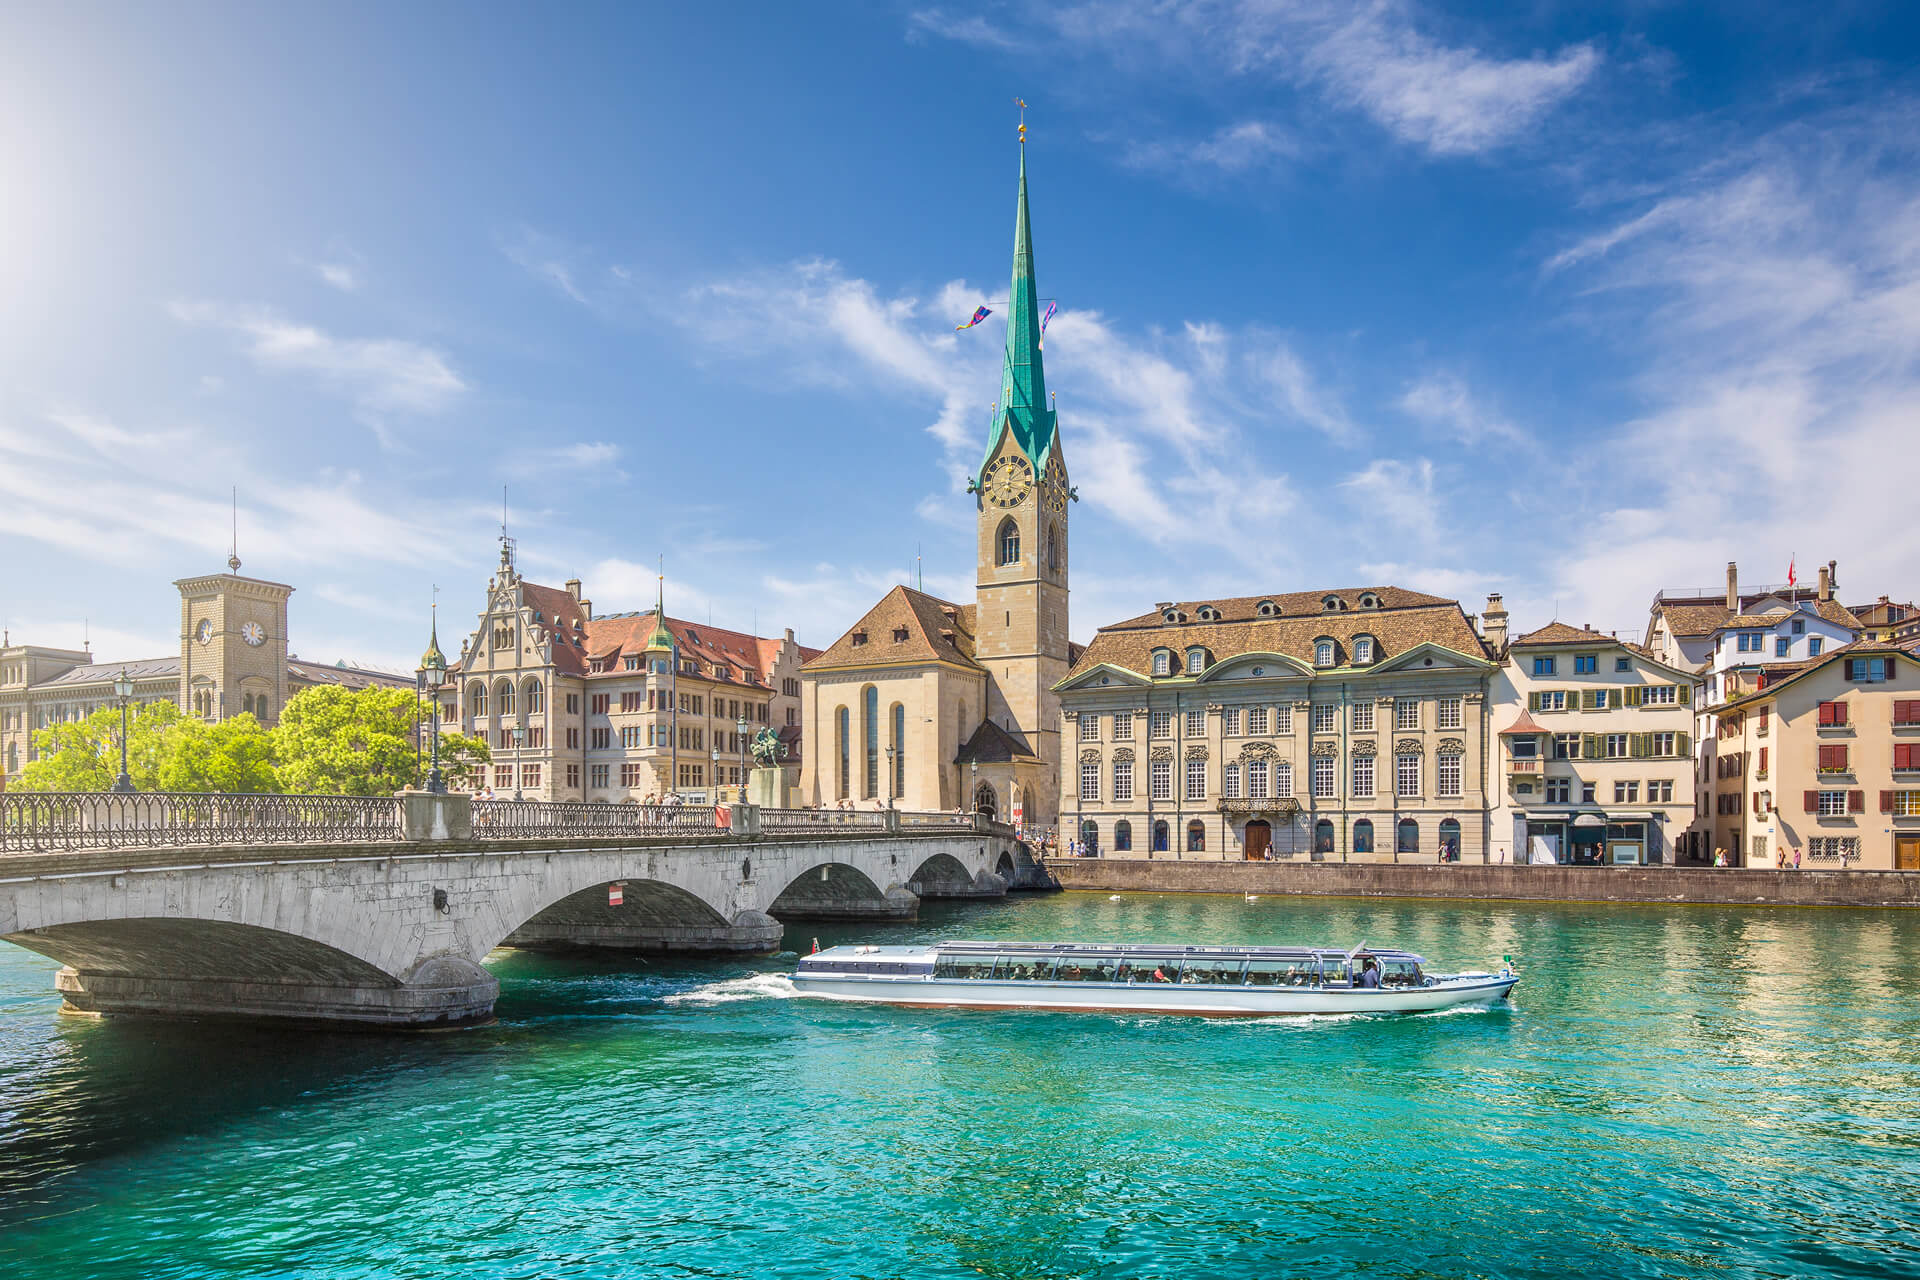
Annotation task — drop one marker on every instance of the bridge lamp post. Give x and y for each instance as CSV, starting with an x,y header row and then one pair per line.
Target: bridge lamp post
x,y
433,667
519,744
741,725
123,690
713,753
890,755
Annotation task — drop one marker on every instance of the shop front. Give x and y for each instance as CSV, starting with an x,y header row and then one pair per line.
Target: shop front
x,y
1593,839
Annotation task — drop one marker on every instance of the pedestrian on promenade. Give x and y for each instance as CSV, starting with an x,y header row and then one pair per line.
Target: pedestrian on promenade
x,y
1796,857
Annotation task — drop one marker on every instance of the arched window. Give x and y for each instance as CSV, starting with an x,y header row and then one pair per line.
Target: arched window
x,y
1363,836
476,699
966,729
246,703
1196,661
1090,835
1159,837
870,723
1230,782
1408,840
1323,836
1283,779
984,800
899,750
1008,540
1053,549
1323,653
1196,836
1162,662
536,698
842,728
1257,779
1450,839
1123,836
1363,649
503,698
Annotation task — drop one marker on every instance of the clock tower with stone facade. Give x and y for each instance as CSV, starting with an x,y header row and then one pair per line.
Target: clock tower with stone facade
x,y
1023,496
233,646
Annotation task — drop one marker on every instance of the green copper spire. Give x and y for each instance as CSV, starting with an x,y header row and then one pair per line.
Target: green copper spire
x,y
661,639
1023,381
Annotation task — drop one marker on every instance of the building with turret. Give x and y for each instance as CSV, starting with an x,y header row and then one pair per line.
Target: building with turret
x,y
930,703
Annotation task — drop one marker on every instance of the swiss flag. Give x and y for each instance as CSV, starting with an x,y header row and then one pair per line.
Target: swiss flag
x,y
616,894
1791,578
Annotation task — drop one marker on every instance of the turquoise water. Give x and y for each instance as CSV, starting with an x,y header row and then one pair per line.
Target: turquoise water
x,y
1673,1092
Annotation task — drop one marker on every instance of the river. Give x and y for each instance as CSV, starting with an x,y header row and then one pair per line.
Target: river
x,y
1672,1092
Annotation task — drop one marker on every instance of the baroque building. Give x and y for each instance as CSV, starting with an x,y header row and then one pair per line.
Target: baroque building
x,y
933,704
233,660
1346,725
614,707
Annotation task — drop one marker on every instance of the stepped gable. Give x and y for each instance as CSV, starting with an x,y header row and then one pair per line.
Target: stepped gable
x,y
905,626
1404,620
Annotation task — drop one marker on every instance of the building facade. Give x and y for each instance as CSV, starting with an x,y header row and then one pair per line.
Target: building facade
x,y
1822,767
233,660
614,708
1348,725
1596,751
936,704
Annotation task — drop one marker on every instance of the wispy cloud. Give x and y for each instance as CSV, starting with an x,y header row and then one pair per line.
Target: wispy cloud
x,y
1232,149
970,29
338,274
381,375
1442,400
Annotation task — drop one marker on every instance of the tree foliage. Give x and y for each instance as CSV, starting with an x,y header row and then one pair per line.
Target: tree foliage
x,y
330,741
334,741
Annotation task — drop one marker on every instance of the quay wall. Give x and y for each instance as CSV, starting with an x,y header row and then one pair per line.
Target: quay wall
x,y
1723,886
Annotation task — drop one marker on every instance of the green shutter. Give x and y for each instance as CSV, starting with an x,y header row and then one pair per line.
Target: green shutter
x,y
1635,694
1590,746
1686,693
1682,747
1533,700
1637,746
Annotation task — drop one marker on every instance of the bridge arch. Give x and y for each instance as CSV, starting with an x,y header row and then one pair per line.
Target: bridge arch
x,y
841,891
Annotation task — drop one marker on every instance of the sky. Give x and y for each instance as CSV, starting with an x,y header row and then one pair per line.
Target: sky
x,y
1569,302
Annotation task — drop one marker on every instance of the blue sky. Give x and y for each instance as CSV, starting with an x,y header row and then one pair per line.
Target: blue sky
x,y
1568,302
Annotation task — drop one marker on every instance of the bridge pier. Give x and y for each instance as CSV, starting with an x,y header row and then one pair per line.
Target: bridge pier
x,y
451,992
749,933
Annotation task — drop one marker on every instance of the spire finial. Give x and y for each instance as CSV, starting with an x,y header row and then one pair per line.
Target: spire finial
x,y
1023,120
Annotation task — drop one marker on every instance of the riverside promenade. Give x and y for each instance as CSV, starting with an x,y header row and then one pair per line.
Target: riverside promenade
x,y
1499,882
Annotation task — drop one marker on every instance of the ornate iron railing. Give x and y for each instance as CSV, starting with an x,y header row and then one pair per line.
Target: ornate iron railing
x,y
536,819
804,821
68,821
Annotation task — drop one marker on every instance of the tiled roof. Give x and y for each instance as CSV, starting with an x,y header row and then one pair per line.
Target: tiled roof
x,y
301,672
1797,671
990,744
101,672
1564,633
1703,617
1395,629
560,614
1293,604
905,626
1524,725
1693,619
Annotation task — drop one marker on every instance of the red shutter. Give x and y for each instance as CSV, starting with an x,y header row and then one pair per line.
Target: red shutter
x,y
1763,759
1886,802
1903,755
1839,713
1813,802
1856,802
1840,757
1825,753
1826,713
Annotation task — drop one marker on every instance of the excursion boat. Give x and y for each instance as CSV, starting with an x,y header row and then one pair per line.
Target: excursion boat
x,y
1144,978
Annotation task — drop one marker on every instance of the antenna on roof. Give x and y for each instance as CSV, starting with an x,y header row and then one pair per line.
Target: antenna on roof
x,y
233,550
919,576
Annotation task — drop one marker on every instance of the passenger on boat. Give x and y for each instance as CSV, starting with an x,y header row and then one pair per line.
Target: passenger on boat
x,y
1159,975
1370,974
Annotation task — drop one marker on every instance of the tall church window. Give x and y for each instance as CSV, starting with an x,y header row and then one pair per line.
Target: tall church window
x,y
899,750
870,721
841,727
477,698
1053,549
503,698
536,698
1008,540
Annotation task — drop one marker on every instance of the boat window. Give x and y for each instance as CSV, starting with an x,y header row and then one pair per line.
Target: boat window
x,y
1214,970
1151,969
964,966
1333,971
1399,973
1300,972
1028,968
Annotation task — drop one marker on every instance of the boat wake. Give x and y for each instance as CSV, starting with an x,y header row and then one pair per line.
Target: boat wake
x,y
754,986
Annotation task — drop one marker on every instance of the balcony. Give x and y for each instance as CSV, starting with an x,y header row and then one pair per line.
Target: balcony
x,y
1524,768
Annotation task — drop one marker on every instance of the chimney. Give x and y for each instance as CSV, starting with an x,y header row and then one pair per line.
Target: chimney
x,y
1733,587
1826,581
1494,623
573,587
789,635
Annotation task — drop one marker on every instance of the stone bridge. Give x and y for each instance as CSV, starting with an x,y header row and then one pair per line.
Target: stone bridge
x,y
380,912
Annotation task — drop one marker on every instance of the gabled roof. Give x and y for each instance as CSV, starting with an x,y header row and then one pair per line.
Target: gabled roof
x,y
926,630
1564,633
1859,648
1701,617
1407,620
990,744
1525,724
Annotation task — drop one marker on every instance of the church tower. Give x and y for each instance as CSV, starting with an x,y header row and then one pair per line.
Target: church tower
x,y
233,645
1022,500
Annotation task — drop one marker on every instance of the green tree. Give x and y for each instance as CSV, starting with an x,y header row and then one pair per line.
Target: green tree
x,y
84,755
334,741
232,756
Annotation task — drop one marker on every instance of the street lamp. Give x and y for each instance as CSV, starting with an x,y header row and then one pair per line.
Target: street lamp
x,y
741,725
890,751
433,670
713,752
123,690
519,742
973,793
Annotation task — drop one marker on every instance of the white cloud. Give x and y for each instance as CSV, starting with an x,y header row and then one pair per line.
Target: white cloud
x,y
1442,400
1232,149
338,274
381,375
1395,492
972,29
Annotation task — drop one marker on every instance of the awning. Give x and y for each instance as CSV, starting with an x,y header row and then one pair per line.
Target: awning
x,y
1590,820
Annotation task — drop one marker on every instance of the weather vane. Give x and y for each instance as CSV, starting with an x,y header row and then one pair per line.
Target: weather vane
x,y
1023,120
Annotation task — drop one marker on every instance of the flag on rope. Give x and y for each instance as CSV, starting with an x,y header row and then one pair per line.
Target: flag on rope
x,y
1046,316
979,314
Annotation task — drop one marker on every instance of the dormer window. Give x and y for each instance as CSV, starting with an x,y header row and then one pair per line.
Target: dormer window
x,y
1323,653
1208,613
1368,600
899,635
631,662
1174,615
1196,661
1333,604
859,638
1162,662
1363,649
1267,609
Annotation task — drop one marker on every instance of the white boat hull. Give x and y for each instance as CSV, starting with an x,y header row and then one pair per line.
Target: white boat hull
x,y
1201,1001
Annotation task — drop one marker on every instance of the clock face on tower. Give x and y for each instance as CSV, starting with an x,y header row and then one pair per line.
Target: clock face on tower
x,y
1056,488
1007,482
253,633
204,632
